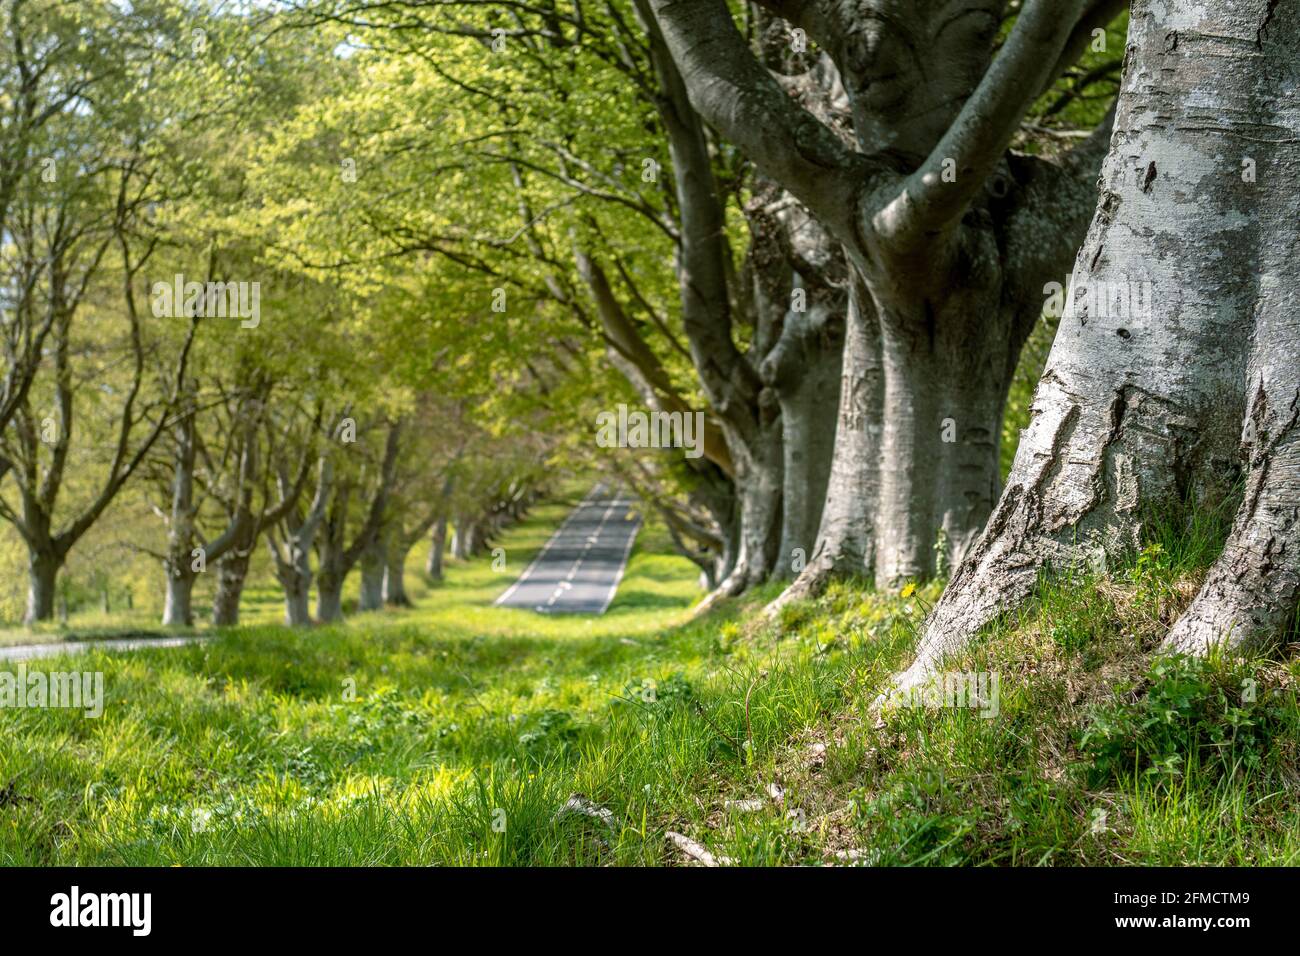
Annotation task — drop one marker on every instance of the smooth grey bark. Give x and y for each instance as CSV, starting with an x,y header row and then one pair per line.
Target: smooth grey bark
x,y
799,274
845,544
329,597
394,583
808,446
232,573
438,540
178,564
716,494
374,564
951,236
335,556
178,606
464,539
1140,409
297,600
290,546
437,548
759,487
400,539
461,538
943,394
42,574
1252,590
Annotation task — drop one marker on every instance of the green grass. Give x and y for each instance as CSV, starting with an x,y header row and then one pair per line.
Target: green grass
x,y
453,733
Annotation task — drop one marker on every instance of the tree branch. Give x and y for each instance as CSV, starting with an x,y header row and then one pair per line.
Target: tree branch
x,y
928,202
734,93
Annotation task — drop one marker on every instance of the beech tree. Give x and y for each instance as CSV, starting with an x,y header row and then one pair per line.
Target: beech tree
x,y
419,501
1197,397
950,238
290,543
769,372
732,313
73,231
224,492
337,554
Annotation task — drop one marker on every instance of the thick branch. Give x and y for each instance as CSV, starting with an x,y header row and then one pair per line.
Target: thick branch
x,y
733,92
978,139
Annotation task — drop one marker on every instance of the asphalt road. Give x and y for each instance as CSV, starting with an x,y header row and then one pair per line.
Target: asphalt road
x,y
579,569
26,652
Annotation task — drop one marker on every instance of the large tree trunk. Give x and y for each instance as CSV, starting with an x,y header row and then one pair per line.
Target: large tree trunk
x,y
178,609
718,496
945,390
1141,407
292,562
460,538
42,575
437,547
178,605
751,549
438,538
290,549
1251,592
374,562
475,537
845,539
395,573
295,580
758,488
297,598
336,557
809,446
800,282
232,572
332,566
329,597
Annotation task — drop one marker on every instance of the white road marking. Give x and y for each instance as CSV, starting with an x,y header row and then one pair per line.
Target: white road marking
x,y
546,547
575,582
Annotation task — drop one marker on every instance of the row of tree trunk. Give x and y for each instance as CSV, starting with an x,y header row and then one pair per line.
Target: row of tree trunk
x,y
378,547
861,423
1174,374
1195,400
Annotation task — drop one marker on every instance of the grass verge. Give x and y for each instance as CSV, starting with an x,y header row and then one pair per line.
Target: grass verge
x,y
456,733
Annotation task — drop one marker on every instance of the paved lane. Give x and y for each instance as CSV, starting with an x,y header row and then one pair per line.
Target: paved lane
x,y
579,569
27,652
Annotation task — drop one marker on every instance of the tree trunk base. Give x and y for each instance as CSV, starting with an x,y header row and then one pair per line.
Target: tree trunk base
x,y
1251,592
178,607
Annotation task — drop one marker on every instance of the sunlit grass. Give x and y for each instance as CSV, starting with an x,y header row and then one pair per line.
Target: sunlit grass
x,y
454,733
